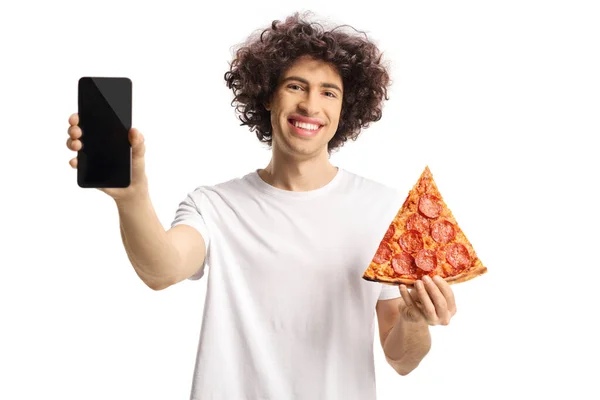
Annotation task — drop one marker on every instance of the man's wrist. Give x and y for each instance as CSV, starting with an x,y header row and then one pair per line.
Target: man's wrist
x,y
133,200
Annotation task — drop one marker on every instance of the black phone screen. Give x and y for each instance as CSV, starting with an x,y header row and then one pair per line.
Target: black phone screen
x,y
104,160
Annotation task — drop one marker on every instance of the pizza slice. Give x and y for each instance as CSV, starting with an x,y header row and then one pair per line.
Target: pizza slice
x,y
424,239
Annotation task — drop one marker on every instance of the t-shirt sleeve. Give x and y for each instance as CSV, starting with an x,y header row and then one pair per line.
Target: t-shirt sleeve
x,y
189,213
389,292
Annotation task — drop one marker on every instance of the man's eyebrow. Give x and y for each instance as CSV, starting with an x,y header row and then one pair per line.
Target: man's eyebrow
x,y
299,79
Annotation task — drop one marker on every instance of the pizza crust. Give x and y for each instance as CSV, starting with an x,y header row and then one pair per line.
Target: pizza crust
x,y
371,275
476,270
392,281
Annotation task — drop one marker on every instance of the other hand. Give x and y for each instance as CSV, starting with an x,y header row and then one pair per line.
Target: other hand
x,y
431,301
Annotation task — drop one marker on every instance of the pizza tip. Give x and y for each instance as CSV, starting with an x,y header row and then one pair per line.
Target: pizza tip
x,y
426,172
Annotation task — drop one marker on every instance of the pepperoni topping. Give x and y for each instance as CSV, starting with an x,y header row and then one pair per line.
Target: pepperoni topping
x,y
403,264
418,223
383,254
426,260
411,241
389,233
442,231
430,206
458,256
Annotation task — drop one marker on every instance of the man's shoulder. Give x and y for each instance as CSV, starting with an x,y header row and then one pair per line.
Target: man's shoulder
x,y
372,185
236,183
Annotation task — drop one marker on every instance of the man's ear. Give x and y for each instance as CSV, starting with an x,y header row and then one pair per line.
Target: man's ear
x,y
267,103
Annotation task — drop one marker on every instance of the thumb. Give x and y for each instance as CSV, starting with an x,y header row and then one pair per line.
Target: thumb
x,y
138,147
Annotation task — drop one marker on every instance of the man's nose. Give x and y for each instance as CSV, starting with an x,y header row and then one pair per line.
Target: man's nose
x,y
310,104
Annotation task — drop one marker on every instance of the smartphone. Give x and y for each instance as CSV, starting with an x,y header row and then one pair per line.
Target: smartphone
x,y
104,107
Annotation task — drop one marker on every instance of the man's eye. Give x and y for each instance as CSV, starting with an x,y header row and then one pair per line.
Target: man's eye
x,y
294,86
330,93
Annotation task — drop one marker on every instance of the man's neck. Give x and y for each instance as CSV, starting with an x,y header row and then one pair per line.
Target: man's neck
x,y
298,176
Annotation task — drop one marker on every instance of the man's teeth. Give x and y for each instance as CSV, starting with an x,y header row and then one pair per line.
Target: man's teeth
x,y
308,127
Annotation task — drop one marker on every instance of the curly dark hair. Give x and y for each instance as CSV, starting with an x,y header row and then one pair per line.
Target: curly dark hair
x,y
259,62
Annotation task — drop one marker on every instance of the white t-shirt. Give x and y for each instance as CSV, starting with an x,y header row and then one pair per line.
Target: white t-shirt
x,y
287,314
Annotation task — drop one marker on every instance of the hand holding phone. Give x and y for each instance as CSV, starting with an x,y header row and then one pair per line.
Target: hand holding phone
x,y
110,153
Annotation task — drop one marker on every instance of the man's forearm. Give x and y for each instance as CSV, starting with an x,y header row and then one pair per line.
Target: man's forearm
x,y
146,242
407,343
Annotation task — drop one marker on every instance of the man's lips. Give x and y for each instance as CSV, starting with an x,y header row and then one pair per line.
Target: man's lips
x,y
303,132
306,120
293,120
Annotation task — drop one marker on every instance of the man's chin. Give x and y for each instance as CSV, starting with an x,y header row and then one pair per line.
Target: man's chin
x,y
302,148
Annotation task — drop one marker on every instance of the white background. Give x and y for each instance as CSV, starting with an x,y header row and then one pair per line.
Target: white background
x,y
500,99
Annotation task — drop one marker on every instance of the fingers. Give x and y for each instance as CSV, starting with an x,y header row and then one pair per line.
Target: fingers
x,y
74,145
408,300
137,140
448,294
74,119
411,310
433,298
74,131
427,307
439,301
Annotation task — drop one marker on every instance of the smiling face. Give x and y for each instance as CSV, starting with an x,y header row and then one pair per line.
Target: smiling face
x,y
305,108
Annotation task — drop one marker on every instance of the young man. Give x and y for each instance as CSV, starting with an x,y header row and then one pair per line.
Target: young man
x,y
287,313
